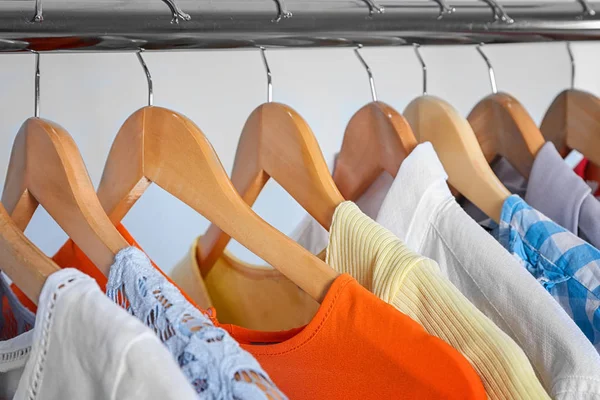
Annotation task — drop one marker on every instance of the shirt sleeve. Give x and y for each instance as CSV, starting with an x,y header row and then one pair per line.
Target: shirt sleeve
x,y
432,300
148,371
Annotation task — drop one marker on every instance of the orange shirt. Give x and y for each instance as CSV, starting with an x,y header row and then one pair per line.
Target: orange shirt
x,y
356,346
71,256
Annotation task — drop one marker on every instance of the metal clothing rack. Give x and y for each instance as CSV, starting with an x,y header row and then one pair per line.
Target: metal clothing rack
x,y
115,25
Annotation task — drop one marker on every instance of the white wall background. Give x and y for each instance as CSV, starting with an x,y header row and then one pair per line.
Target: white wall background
x,y
92,94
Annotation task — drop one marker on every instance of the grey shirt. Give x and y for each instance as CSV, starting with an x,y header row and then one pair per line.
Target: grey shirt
x,y
554,190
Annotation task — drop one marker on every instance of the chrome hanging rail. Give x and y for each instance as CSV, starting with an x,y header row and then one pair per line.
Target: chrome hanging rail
x,y
108,25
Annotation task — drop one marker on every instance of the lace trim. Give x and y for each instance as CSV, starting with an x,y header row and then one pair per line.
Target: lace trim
x,y
51,292
213,362
12,356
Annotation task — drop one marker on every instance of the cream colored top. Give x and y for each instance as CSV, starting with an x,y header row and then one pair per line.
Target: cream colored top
x,y
250,296
413,284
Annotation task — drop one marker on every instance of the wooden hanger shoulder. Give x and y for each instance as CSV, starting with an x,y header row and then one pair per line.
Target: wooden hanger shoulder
x,y
173,153
573,122
46,168
22,261
504,128
377,139
433,120
276,142
124,178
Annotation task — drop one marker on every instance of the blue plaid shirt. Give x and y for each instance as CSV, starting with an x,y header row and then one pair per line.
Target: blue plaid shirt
x,y
567,266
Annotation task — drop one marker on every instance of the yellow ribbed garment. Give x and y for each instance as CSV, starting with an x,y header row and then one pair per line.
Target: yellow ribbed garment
x,y
413,284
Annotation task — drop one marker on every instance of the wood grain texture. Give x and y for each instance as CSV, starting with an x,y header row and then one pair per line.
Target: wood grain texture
x,y
22,261
433,120
276,143
161,146
504,128
573,122
377,139
46,168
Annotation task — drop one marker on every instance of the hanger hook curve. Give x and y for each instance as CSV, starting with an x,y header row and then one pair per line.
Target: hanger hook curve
x,y
499,13
269,75
282,11
490,68
176,12
445,8
374,7
572,59
148,77
369,73
417,47
587,8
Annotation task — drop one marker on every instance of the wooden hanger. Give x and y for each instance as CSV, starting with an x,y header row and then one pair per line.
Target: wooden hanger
x,y
46,168
276,143
161,146
573,121
377,139
504,128
22,261
433,120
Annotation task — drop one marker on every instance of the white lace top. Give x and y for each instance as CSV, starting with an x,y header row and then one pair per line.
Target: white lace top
x,y
82,346
214,363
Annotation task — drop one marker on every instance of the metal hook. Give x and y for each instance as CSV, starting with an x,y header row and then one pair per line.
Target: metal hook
x,y
176,12
36,96
490,68
269,76
371,80
39,17
417,46
587,9
445,9
148,77
282,11
374,7
499,13
572,58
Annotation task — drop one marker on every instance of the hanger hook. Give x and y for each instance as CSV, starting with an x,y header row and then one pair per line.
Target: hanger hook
x,y
417,46
269,76
282,12
490,68
36,93
176,12
39,16
374,7
445,8
587,9
499,13
572,58
148,77
371,80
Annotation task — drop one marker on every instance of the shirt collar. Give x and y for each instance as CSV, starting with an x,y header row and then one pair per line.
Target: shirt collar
x,y
555,190
415,196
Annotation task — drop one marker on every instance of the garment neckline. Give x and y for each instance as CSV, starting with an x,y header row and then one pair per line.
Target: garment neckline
x,y
29,349
232,262
281,342
14,351
420,186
